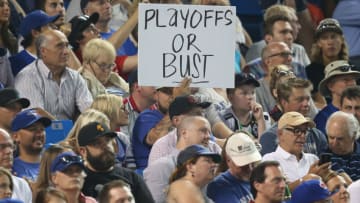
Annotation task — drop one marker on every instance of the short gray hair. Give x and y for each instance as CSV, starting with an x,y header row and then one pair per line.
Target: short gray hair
x,y
352,123
40,42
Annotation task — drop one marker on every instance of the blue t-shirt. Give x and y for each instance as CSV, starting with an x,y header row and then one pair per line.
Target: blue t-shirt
x,y
127,48
143,124
24,169
227,188
323,115
20,60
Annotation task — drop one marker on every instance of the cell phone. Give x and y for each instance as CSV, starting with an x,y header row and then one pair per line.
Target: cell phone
x,y
324,158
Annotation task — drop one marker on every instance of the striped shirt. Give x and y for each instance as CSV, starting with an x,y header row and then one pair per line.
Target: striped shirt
x,y
36,83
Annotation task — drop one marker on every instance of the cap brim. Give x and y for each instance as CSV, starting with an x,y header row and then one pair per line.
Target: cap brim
x,y
323,89
204,105
215,157
53,18
245,160
23,101
304,121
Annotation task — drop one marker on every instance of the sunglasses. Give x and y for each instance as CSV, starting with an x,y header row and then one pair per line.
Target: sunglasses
x,y
345,68
71,159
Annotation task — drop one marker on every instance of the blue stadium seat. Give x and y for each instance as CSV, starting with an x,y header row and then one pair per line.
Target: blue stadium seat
x,y
57,131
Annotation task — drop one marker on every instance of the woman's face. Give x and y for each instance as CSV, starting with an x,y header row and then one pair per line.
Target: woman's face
x,y
338,184
71,178
4,11
5,190
101,67
204,169
330,44
123,118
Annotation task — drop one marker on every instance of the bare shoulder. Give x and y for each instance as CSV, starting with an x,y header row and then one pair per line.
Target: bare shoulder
x,y
184,191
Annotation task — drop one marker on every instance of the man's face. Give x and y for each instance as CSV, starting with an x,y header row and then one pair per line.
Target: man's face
x,y
351,106
6,150
340,142
273,188
243,98
282,32
121,195
292,138
103,7
31,139
299,101
55,7
8,113
338,83
279,54
55,53
240,172
147,93
89,33
100,153
330,44
198,132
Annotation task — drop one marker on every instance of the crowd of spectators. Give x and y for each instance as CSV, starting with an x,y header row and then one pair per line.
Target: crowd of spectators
x,y
288,131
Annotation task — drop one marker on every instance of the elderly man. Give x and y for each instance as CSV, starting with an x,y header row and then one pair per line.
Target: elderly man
x,y
343,131
49,83
297,165
262,180
294,95
21,188
96,148
350,101
10,105
233,185
29,133
338,75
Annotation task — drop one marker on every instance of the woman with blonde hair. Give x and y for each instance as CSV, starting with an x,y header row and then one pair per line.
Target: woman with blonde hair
x,y
98,63
90,115
196,167
337,184
6,182
112,106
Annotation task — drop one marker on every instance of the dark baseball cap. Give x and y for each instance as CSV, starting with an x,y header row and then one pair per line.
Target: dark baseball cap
x,y
194,151
78,25
184,104
326,25
245,79
26,118
10,96
91,131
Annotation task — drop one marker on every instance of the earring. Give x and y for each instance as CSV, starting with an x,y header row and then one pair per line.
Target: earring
x,y
192,174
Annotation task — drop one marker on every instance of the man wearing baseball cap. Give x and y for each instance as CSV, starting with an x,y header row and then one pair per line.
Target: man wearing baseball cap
x,y
96,147
297,165
338,75
233,185
10,104
28,129
34,23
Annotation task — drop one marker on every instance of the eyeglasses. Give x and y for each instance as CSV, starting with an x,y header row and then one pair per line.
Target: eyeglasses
x,y
282,54
7,145
105,67
345,68
282,73
71,159
298,131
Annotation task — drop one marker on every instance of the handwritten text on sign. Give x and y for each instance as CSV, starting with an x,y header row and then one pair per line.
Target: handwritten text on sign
x,y
177,41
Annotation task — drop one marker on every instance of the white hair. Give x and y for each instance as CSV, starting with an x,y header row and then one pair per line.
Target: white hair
x,y
352,123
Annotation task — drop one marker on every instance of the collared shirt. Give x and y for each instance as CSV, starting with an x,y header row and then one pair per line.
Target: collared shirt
x,y
36,83
293,169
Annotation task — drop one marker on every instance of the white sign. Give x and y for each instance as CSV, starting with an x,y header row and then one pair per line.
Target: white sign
x,y
178,41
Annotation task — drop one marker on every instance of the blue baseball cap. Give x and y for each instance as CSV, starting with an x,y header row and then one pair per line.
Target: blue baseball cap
x,y
309,192
65,160
10,200
196,151
26,118
35,19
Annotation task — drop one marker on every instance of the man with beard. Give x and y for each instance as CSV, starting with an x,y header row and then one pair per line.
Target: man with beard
x,y
233,185
151,125
96,148
29,134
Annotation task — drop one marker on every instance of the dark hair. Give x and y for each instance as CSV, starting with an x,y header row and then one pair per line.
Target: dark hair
x,y
180,171
269,23
28,39
350,93
258,174
104,193
43,196
40,5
